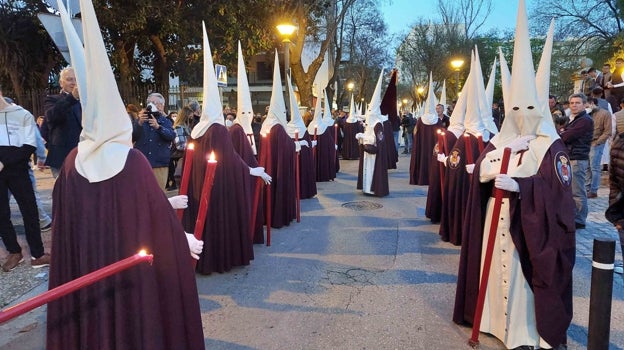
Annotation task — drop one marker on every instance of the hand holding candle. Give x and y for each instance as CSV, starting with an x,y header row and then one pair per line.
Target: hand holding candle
x,y
186,173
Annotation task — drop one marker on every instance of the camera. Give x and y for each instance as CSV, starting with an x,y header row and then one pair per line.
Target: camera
x,y
151,110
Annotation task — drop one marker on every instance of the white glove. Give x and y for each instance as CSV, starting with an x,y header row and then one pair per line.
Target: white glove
x,y
314,142
521,143
304,143
442,158
179,202
266,178
195,246
297,146
1,166
359,135
506,183
336,147
470,168
258,171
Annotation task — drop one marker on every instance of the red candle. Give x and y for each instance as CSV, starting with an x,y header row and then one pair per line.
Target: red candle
x,y
204,200
314,148
480,143
469,156
256,200
297,180
74,285
441,150
336,135
268,192
186,173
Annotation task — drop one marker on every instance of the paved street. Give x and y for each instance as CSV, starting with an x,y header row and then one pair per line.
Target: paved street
x,y
357,272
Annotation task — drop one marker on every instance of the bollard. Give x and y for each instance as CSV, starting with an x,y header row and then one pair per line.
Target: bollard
x,y
600,295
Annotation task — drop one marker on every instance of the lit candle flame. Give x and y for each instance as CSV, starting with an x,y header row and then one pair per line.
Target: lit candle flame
x,y
191,146
142,252
212,158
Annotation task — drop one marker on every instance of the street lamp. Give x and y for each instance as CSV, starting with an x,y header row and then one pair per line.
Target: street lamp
x,y
419,91
286,30
457,64
404,105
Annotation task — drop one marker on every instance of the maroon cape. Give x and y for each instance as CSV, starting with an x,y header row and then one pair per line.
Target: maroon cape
x,y
282,169
380,174
241,144
350,145
227,234
456,186
97,224
391,151
542,229
307,176
425,138
433,210
325,156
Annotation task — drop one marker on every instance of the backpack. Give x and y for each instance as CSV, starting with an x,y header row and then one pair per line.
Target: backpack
x,y
178,145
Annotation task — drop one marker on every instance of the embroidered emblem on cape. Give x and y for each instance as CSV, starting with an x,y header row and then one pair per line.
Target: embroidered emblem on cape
x,y
454,158
564,170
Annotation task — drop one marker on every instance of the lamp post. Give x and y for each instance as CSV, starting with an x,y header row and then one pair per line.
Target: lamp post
x,y
350,86
286,30
404,101
419,91
457,64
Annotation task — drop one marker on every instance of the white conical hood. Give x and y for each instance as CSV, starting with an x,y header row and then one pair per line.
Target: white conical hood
x,y
317,120
542,77
76,52
327,116
473,120
106,135
373,112
212,110
277,106
523,113
244,110
443,95
352,112
430,116
485,106
296,123
489,88
505,77
456,121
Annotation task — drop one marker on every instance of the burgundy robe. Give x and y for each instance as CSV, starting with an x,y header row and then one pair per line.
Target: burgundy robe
x,y
307,175
380,174
227,232
241,144
425,138
97,224
350,146
456,186
325,156
391,151
542,229
282,169
433,210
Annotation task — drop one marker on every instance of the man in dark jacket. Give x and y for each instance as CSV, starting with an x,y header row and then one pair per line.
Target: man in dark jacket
x,y
157,135
63,121
615,211
577,136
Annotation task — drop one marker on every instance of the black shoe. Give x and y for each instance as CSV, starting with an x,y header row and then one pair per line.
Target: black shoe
x,y
579,226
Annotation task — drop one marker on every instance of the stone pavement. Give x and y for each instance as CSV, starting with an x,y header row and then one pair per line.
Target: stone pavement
x,y
357,272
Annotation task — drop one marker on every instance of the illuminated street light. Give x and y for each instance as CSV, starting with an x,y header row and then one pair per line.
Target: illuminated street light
x,y
457,64
286,30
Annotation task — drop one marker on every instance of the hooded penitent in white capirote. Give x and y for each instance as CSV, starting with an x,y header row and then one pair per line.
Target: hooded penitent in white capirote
x,y
296,123
244,110
373,112
430,116
327,115
542,77
473,122
212,110
106,134
277,107
443,95
524,115
351,118
317,125
456,121
485,106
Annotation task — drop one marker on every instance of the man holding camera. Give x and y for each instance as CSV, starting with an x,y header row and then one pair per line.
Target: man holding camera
x,y
156,136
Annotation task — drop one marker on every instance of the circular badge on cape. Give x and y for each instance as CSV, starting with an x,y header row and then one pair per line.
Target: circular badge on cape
x,y
564,168
454,158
